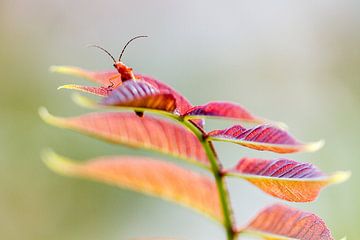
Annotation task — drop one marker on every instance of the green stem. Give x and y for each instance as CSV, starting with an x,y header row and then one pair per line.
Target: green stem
x,y
216,169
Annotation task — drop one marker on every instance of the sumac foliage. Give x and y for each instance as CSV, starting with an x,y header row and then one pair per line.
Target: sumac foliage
x,y
142,112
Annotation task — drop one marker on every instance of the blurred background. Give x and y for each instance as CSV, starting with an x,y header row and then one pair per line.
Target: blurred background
x,y
294,61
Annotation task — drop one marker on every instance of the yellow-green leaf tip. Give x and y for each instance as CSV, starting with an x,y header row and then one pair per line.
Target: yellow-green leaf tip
x,y
57,163
53,68
63,69
84,101
45,115
341,176
59,69
75,71
67,86
50,119
314,146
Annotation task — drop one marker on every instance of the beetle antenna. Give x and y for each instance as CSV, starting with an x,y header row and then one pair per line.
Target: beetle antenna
x,y
128,44
96,46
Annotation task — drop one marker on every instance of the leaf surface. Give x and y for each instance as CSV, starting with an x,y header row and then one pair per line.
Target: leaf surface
x,y
128,129
131,94
264,138
285,179
86,102
102,78
226,110
182,103
98,91
140,94
145,175
280,222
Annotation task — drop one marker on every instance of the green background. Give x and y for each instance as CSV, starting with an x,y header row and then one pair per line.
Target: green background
x,y
294,61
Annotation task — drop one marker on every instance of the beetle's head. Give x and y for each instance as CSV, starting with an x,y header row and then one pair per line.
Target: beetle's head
x,y
125,71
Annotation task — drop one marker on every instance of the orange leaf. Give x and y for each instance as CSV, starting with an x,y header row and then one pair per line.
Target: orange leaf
x,y
264,138
148,176
128,129
285,179
281,222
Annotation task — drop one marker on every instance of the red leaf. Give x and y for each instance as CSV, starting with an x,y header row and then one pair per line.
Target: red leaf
x,y
99,91
140,94
222,110
148,176
181,102
285,179
282,222
264,138
86,102
128,129
102,78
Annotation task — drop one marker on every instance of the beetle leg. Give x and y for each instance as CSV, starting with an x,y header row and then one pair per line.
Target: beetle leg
x,y
112,84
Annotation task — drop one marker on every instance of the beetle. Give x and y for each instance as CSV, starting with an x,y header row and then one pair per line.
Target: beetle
x,y
125,72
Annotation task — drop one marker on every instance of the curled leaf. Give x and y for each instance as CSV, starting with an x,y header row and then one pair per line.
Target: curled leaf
x,y
140,94
285,179
264,138
279,222
226,110
103,77
131,94
148,176
128,129
182,104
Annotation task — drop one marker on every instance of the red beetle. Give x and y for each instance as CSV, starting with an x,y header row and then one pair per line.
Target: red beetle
x,y
125,72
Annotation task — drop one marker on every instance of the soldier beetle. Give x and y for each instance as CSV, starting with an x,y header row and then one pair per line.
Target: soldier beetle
x,y
125,72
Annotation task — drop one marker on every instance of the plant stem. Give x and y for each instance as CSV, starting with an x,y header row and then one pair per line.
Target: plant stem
x,y
216,169
222,190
